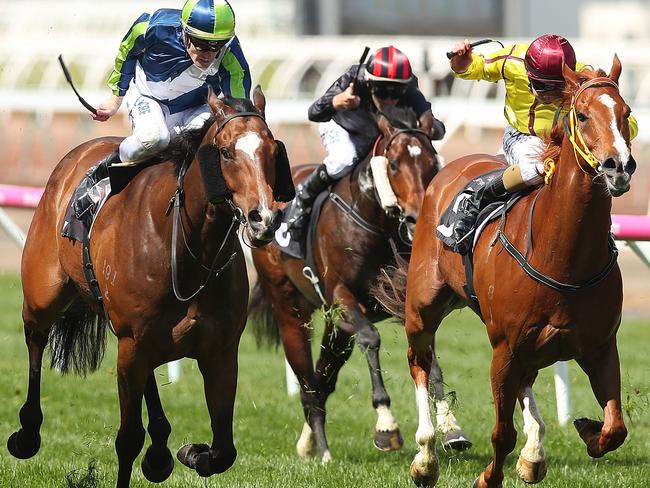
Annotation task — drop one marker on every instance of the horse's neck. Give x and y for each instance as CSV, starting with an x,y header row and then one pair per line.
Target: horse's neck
x,y
204,222
574,214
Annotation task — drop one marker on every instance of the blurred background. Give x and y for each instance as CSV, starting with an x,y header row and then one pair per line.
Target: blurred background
x,y
296,49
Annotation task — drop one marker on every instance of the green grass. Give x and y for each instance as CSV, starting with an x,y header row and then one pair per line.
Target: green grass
x,y
81,417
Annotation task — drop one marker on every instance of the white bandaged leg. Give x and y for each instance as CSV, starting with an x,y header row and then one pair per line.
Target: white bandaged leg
x,y
379,167
524,150
341,151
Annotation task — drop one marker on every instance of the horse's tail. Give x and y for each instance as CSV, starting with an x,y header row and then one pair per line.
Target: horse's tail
x,y
78,340
390,288
265,327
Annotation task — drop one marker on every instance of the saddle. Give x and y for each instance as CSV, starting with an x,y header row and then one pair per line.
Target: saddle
x,y
488,214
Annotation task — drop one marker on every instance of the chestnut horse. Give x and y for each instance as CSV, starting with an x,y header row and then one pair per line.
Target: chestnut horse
x,y
351,245
565,299
134,239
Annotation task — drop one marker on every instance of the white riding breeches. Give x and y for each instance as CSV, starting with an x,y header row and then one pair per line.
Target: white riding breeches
x,y
524,150
341,151
153,125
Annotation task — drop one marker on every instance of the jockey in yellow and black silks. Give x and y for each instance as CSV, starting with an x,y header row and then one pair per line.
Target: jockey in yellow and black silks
x,y
534,84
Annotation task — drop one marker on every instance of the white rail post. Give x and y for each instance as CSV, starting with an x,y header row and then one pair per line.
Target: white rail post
x,y
562,392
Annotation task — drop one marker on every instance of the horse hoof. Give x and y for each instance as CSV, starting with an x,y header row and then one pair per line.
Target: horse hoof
x,y
189,452
20,448
424,480
456,440
481,483
157,464
390,440
531,472
208,463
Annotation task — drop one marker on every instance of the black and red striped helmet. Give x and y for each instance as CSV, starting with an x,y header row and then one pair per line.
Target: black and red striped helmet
x,y
389,64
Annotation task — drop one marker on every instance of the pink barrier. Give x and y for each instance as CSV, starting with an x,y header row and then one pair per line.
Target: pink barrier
x,y
631,227
20,196
624,227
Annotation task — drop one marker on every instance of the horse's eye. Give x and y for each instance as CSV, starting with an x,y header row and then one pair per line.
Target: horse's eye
x,y
582,117
392,164
225,153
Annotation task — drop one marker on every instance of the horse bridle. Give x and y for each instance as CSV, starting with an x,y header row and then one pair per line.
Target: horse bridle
x,y
177,201
397,211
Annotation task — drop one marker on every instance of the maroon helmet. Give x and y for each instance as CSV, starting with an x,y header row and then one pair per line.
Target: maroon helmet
x,y
389,64
545,57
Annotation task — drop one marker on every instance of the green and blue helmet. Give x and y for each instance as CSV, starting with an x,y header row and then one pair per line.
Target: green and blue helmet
x,y
208,20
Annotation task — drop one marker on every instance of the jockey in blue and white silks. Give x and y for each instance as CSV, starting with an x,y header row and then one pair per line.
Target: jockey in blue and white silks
x,y
164,66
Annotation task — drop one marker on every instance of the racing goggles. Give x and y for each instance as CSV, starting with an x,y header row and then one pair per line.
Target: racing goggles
x,y
388,90
542,87
201,45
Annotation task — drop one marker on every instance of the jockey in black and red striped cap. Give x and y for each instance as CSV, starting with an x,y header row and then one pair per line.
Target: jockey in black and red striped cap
x,y
347,116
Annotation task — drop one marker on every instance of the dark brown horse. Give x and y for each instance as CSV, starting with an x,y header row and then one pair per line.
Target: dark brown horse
x,y
352,243
132,246
571,309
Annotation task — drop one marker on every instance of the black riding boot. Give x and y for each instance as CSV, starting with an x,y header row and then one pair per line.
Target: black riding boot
x,y
469,208
85,198
306,193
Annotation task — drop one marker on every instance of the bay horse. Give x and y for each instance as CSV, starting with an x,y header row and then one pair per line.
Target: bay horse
x,y
565,299
352,244
194,308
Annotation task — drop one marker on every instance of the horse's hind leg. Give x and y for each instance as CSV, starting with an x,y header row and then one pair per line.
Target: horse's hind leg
x,y
132,377
42,306
531,465
455,437
605,378
157,463
335,352
27,441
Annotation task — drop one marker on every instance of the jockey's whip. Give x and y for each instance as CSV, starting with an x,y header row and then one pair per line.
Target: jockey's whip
x,y
451,54
362,59
69,78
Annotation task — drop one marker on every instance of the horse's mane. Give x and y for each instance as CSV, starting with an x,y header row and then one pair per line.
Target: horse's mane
x,y
185,145
400,117
554,139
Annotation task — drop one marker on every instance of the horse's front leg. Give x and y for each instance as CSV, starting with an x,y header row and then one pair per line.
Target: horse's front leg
x,y
454,436
335,353
605,377
219,370
157,463
506,379
132,376
26,442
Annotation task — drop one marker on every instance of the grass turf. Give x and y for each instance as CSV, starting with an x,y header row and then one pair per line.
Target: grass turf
x,y
82,416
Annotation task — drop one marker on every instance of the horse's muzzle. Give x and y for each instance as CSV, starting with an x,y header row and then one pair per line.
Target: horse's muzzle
x,y
262,224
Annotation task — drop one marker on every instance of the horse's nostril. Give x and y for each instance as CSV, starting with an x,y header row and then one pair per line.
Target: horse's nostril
x,y
254,216
609,163
630,166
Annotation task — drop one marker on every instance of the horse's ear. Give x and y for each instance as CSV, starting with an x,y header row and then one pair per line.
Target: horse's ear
x,y
615,72
385,127
259,100
570,77
216,104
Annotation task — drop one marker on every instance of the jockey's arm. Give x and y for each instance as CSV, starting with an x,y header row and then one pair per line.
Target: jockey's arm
x,y
472,66
132,46
234,73
323,109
